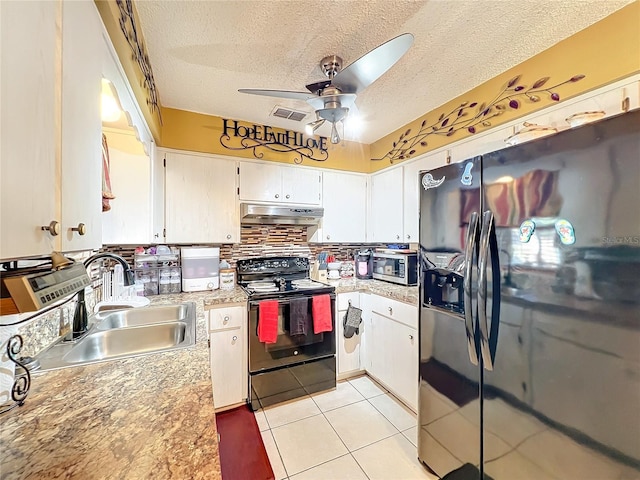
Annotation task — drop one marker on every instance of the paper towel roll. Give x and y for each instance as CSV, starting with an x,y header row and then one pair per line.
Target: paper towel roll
x,y
7,367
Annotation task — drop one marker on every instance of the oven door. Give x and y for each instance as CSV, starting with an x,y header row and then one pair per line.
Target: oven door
x,y
288,349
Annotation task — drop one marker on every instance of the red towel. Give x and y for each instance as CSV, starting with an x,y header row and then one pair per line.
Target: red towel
x,y
321,311
268,321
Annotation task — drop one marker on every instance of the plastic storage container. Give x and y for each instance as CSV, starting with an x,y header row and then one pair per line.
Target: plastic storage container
x,y
200,268
153,272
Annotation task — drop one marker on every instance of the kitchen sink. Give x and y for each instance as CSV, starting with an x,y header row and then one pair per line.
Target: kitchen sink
x,y
126,333
134,317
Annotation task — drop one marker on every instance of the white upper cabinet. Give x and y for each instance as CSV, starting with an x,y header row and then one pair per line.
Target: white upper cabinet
x,y
270,182
411,202
386,217
200,199
28,126
50,127
344,200
81,189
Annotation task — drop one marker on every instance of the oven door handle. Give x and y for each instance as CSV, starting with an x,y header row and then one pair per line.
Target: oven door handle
x,y
286,301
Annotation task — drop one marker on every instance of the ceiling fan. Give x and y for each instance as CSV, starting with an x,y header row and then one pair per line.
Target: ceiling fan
x,y
333,98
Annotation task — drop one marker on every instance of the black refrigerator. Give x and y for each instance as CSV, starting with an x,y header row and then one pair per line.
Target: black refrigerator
x,y
530,309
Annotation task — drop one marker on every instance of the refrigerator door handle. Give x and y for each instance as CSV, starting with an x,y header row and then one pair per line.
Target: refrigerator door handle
x,y
471,248
488,252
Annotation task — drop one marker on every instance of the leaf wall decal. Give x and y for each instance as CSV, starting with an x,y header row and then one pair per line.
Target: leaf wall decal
x,y
540,82
513,81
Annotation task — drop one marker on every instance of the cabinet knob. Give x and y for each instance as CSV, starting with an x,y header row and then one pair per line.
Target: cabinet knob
x,y
287,196
277,196
410,337
81,229
328,237
234,338
228,237
390,311
408,237
225,319
53,228
156,235
397,237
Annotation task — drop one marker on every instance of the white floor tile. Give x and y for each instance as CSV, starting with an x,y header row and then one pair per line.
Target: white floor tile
x,y
394,411
564,458
343,468
394,458
274,456
307,443
344,394
261,420
412,435
367,387
439,459
291,411
360,424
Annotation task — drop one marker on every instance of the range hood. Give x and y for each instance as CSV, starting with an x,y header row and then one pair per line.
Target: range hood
x,y
255,214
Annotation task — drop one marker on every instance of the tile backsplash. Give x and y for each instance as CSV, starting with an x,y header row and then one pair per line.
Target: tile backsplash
x,y
268,241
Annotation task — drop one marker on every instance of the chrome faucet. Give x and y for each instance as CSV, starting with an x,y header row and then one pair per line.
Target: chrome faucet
x,y
80,316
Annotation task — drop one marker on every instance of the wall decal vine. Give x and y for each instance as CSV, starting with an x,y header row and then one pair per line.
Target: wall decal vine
x,y
470,117
130,31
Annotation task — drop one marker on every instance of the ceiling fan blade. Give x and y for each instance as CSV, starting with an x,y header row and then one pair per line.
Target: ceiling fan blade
x,y
279,93
345,100
368,68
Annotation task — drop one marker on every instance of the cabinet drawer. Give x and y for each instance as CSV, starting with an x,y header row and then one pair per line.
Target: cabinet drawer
x,y
344,298
227,317
401,312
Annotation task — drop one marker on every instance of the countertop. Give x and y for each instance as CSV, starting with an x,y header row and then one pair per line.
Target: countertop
x,y
144,417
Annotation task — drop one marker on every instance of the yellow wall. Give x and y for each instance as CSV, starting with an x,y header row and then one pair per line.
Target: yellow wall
x,y
110,13
201,133
607,51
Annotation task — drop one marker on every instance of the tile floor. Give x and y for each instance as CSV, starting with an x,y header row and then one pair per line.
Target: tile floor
x,y
356,432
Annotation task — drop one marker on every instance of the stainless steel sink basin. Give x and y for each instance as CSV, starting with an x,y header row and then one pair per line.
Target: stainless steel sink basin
x,y
126,333
134,317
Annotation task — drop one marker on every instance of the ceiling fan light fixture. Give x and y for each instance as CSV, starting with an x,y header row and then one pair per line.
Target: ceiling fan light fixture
x,y
335,138
310,128
333,114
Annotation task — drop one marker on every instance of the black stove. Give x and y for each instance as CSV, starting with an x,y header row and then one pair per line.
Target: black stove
x,y
276,277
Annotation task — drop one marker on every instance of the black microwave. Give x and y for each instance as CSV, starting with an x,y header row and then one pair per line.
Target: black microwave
x,y
397,267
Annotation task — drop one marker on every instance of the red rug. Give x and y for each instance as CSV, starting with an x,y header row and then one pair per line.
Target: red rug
x,y
242,453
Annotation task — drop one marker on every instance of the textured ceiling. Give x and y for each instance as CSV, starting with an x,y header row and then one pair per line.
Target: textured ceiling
x,y
202,52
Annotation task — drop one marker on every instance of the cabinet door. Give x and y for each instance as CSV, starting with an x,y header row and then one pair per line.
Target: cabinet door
x,y
301,185
348,348
81,182
200,199
28,128
228,375
261,182
378,349
411,191
344,200
402,378
386,206
129,220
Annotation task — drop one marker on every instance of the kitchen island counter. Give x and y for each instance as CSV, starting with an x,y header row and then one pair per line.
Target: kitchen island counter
x,y
142,417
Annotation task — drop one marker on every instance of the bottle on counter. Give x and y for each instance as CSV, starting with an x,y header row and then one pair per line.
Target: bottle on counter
x,y
227,276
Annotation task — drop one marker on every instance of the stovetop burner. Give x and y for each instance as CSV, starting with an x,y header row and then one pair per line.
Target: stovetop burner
x,y
278,276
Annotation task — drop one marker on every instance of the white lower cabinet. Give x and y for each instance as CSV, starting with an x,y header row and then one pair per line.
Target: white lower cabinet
x,y
392,347
347,349
228,355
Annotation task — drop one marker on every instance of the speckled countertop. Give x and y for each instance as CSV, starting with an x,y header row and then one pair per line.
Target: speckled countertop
x,y
144,417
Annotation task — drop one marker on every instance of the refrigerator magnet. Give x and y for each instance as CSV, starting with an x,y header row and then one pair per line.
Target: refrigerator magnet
x,y
526,230
429,182
565,231
467,178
